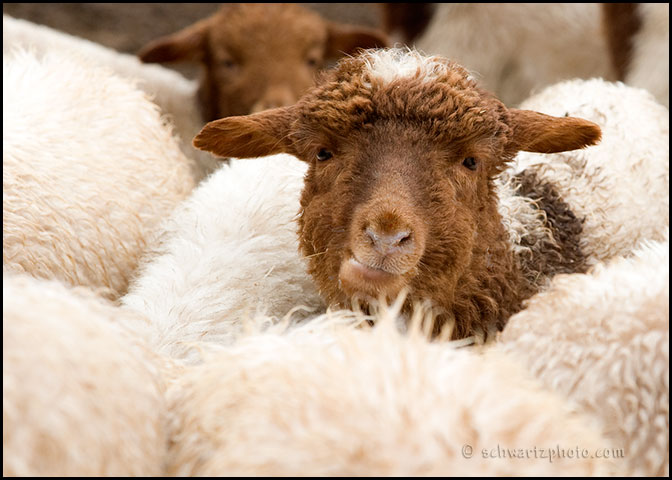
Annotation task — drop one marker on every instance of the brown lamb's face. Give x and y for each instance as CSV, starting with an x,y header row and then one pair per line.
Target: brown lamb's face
x,y
402,151
258,56
392,201
390,210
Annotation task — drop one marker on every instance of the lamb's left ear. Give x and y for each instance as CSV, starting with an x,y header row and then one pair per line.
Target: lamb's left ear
x,y
537,132
248,136
346,39
186,45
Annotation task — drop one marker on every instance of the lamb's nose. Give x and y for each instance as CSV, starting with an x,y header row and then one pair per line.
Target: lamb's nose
x,y
399,241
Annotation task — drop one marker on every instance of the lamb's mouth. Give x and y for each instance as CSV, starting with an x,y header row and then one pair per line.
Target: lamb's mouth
x,y
359,279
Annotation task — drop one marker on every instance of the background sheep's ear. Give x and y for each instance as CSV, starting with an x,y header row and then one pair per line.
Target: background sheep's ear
x,y
346,39
248,136
537,132
187,44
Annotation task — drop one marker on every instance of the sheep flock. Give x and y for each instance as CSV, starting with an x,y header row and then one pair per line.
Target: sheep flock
x,y
437,246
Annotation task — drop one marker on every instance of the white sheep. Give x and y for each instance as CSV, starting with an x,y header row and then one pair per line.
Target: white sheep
x,y
227,252
516,49
329,399
619,189
80,396
89,169
602,339
173,93
322,398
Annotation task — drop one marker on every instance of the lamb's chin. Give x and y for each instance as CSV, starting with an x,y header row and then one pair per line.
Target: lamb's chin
x,y
359,281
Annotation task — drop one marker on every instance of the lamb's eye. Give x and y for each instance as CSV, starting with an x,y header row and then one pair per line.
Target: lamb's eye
x,y
228,64
312,62
324,154
470,163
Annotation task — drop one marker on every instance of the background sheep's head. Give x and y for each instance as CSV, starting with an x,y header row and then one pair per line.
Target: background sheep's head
x,y
259,56
399,194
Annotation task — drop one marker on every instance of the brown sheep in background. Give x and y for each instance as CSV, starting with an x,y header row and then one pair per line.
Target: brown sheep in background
x,y
259,56
402,153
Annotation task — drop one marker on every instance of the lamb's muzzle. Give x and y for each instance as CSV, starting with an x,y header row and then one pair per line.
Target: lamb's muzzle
x,y
390,243
364,281
386,243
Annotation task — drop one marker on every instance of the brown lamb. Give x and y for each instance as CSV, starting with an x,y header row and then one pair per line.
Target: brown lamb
x,y
399,194
259,56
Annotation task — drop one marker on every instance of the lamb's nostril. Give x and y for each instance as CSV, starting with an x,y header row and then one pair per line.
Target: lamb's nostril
x,y
389,242
403,237
373,236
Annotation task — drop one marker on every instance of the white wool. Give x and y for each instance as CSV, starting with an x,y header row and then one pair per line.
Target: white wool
x,y
80,396
518,48
523,220
229,251
649,65
89,170
327,399
173,93
387,65
620,186
602,340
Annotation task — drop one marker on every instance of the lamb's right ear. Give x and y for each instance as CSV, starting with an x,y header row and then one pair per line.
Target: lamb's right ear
x,y
537,132
187,44
248,136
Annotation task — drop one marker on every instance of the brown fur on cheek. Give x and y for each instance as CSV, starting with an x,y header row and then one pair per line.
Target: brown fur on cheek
x,y
322,233
468,270
448,255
